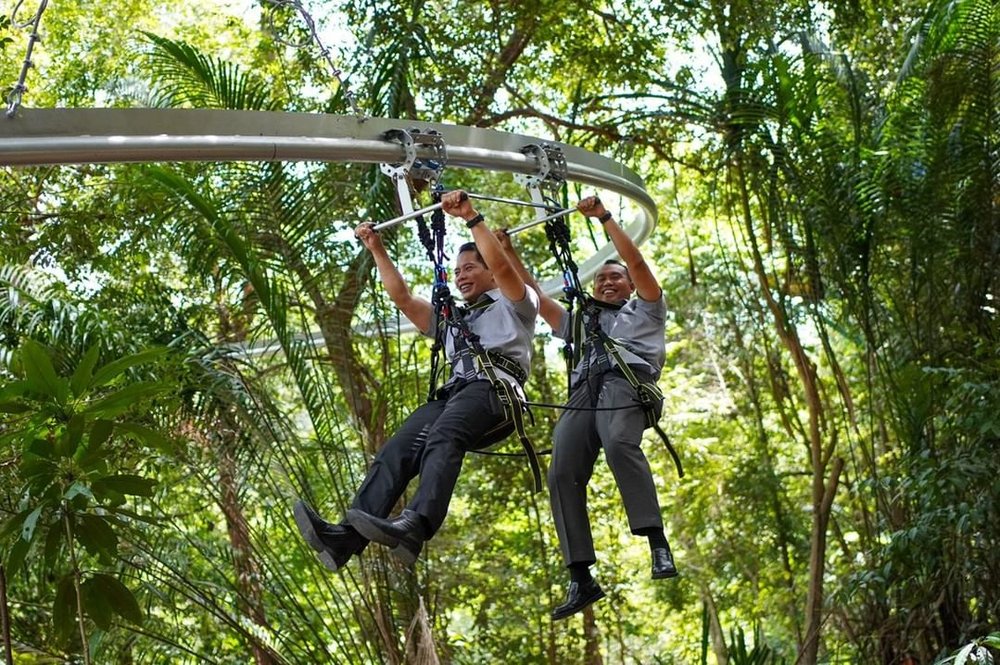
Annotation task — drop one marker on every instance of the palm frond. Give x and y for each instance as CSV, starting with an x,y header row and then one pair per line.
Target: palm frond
x,y
184,76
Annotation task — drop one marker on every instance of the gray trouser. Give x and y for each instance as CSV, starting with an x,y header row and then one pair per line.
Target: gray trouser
x,y
577,438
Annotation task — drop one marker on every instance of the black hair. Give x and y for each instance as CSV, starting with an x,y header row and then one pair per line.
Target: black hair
x,y
616,262
471,247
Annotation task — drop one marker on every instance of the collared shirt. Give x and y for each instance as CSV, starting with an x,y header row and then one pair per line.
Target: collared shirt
x,y
503,326
638,327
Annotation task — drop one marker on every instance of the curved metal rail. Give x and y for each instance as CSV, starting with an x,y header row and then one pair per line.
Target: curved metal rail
x,y
78,136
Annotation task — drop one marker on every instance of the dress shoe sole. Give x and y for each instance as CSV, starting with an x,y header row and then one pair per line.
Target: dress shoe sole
x,y
665,575
556,615
308,532
359,519
402,553
306,527
329,562
363,525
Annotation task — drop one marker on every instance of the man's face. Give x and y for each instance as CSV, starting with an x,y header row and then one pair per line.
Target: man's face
x,y
612,284
472,278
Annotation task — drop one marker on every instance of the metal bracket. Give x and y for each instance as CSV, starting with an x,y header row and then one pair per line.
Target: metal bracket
x,y
550,176
551,167
428,169
404,174
398,171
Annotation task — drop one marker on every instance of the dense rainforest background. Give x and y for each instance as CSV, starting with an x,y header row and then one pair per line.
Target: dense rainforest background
x,y
828,180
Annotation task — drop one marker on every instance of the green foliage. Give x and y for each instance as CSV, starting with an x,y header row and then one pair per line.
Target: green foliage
x,y
758,654
977,651
183,76
61,428
868,152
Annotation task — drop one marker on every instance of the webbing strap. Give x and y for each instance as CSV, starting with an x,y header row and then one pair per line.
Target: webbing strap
x,y
514,410
488,361
558,235
498,360
649,394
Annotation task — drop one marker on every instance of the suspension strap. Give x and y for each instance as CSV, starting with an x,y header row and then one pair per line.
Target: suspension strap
x,y
543,186
412,173
488,361
442,303
581,307
649,394
448,314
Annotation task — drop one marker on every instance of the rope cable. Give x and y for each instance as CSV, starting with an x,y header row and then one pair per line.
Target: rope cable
x,y
17,92
314,38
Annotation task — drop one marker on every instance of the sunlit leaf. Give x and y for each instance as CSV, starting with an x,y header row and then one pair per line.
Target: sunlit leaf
x,y
40,374
121,400
114,369
148,437
84,372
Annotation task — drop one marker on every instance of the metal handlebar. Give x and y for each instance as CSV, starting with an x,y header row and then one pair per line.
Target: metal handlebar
x,y
536,222
483,197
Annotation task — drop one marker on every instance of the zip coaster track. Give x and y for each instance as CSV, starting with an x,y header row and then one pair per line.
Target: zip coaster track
x,y
86,136
413,158
30,137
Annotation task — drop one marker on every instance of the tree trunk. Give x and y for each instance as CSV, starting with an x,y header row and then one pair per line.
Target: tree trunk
x,y
714,627
822,505
248,580
592,639
8,649
820,449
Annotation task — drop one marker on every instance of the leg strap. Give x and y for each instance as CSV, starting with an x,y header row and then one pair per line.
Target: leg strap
x,y
514,411
649,396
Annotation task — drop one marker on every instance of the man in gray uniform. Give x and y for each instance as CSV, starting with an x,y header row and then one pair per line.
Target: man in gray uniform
x,y
465,414
636,328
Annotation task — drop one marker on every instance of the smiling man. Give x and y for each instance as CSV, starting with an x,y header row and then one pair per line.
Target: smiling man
x,y
464,414
604,409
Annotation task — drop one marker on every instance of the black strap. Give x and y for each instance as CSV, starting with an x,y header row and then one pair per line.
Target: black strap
x,y
514,410
581,307
447,314
557,232
488,362
441,300
649,395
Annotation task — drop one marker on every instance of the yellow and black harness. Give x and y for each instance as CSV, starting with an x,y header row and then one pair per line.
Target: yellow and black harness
x,y
586,332
448,315
648,393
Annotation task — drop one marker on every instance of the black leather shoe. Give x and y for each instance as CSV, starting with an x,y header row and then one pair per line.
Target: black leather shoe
x,y
663,563
405,533
335,544
578,597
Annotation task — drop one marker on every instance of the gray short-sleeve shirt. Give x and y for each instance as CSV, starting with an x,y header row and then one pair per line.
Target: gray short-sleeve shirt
x,y
503,326
638,327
